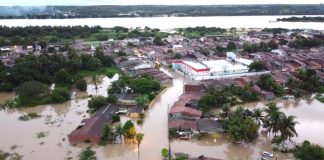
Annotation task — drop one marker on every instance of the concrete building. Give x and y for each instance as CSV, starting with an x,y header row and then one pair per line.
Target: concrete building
x,y
214,69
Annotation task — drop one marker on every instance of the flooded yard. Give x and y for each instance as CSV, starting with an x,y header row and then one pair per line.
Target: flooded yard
x,y
59,120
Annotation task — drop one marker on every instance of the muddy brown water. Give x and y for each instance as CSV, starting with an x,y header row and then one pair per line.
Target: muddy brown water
x,y
59,120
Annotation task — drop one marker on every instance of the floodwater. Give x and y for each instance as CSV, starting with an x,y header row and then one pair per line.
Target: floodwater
x,y
59,120
171,22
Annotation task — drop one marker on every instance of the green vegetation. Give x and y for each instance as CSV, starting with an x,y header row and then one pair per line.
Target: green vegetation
x,y
107,135
111,99
308,151
32,75
243,124
307,81
29,116
10,156
267,83
44,34
142,101
306,43
257,66
198,32
158,10
96,103
87,154
231,46
81,85
34,93
226,96
302,19
140,121
240,126
277,122
165,153
129,130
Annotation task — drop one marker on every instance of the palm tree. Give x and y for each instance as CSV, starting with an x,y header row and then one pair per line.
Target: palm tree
x,y
287,127
107,135
119,131
225,111
257,115
139,138
272,118
95,81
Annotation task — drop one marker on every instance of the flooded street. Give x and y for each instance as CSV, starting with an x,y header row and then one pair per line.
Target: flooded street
x,y
59,120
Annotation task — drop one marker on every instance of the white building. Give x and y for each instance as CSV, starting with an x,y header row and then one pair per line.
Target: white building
x,y
279,52
203,70
177,47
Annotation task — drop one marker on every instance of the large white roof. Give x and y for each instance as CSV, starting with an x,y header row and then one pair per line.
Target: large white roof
x,y
221,65
244,61
195,65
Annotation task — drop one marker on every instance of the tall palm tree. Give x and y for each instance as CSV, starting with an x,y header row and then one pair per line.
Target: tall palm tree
x,y
119,131
287,127
107,135
139,138
95,81
257,115
272,118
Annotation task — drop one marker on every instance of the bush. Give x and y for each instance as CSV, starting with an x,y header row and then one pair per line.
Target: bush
x,y
116,118
87,154
308,151
60,95
165,153
112,99
81,85
140,122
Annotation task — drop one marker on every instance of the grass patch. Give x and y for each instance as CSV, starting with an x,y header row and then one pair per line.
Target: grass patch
x,y
108,71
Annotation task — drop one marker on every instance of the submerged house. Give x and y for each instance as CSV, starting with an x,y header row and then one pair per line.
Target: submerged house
x,y
209,126
91,128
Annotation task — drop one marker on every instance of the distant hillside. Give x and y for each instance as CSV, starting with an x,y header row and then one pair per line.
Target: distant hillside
x,y
157,10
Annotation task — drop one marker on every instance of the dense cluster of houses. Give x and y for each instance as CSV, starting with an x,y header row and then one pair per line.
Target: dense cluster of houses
x,y
186,119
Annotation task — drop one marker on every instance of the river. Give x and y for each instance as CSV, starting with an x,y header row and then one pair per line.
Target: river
x,y
59,120
171,22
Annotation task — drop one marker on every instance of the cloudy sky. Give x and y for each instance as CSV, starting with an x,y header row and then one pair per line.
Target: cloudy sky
x,y
149,2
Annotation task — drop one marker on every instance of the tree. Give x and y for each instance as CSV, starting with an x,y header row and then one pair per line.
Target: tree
x,y
257,115
308,151
119,131
165,153
129,129
81,85
63,77
142,101
139,138
32,90
112,99
157,41
272,118
287,127
94,81
59,95
231,46
87,154
107,135
257,66
240,126
96,102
